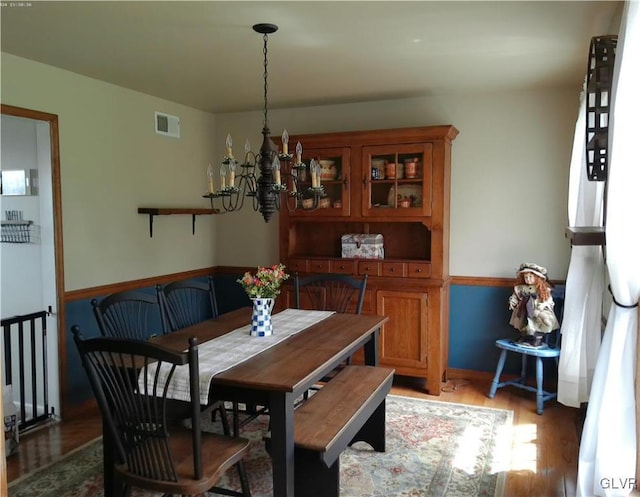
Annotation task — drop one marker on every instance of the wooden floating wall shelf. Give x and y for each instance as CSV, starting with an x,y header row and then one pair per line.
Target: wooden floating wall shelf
x,y
157,211
586,235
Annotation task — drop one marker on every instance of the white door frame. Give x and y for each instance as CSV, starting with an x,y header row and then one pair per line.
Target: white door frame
x,y
59,360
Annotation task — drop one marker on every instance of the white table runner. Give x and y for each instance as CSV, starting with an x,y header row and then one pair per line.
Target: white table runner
x,y
224,352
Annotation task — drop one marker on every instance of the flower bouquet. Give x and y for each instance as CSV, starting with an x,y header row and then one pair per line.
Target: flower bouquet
x,y
265,283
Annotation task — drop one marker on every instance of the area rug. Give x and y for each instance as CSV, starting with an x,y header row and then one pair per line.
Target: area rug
x,y
434,449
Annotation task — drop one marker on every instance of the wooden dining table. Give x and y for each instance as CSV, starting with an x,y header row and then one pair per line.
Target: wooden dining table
x,y
279,375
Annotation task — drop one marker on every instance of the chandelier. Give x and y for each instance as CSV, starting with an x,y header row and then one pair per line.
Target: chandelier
x,y
270,177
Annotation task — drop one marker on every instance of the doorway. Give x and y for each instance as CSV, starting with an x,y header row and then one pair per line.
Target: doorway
x,y
32,275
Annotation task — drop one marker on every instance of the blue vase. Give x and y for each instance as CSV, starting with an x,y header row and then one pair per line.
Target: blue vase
x,y
261,325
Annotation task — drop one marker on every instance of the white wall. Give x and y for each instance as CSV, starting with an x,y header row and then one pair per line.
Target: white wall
x,y
510,166
113,162
509,175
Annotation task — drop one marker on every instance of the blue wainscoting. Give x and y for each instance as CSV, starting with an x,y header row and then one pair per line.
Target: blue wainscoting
x,y
79,313
229,294
479,316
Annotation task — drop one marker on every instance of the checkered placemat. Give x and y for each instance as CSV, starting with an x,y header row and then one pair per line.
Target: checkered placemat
x,y
224,352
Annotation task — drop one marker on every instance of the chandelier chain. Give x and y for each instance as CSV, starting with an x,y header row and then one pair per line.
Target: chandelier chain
x,y
265,75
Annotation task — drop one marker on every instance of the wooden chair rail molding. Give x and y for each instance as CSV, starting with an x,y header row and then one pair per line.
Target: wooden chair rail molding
x,y
91,292
96,291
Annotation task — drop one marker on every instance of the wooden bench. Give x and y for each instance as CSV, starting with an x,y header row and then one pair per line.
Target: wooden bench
x,y
347,409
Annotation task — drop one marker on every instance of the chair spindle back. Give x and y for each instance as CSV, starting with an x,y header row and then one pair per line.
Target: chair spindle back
x,y
137,413
130,314
188,302
330,292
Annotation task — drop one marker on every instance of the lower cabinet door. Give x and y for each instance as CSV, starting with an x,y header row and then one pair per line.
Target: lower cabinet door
x,y
403,341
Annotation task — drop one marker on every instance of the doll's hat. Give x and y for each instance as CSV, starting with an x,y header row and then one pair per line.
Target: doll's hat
x,y
530,267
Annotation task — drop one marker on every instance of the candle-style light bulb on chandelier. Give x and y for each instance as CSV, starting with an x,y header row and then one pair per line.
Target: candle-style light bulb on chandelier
x,y
279,176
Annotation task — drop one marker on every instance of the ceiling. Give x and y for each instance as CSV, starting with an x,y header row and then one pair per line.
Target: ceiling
x,y
205,55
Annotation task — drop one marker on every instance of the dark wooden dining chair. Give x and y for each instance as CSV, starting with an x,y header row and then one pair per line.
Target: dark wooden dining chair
x,y
130,314
188,302
152,448
330,292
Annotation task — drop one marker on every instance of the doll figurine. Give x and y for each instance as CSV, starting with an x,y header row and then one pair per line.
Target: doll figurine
x,y
532,305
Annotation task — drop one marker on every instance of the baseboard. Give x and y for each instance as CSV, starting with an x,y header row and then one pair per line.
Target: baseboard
x,y
86,409
459,374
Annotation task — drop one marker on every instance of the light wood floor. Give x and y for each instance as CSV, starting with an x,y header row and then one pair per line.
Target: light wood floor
x,y
542,462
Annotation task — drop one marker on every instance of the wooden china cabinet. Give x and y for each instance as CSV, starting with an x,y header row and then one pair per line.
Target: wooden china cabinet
x,y
394,182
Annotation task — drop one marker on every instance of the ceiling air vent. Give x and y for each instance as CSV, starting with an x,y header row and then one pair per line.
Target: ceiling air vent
x,y
167,125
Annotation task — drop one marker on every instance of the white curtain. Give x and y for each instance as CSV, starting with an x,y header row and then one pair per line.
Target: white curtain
x,y
581,323
608,451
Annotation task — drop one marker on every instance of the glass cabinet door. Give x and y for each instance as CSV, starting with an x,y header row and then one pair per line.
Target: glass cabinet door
x,y
397,180
334,181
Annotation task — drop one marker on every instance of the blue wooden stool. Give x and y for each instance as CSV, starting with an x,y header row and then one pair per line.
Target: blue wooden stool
x,y
550,349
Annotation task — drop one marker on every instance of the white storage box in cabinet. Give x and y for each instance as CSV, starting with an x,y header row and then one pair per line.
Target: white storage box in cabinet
x,y
362,246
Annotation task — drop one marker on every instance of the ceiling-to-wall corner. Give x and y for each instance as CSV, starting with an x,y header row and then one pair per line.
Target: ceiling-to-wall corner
x,y
616,20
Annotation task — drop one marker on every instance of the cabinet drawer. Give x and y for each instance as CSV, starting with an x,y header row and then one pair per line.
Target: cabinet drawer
x,y
419,270
318,266
343,267
298,265
393,269
372,268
